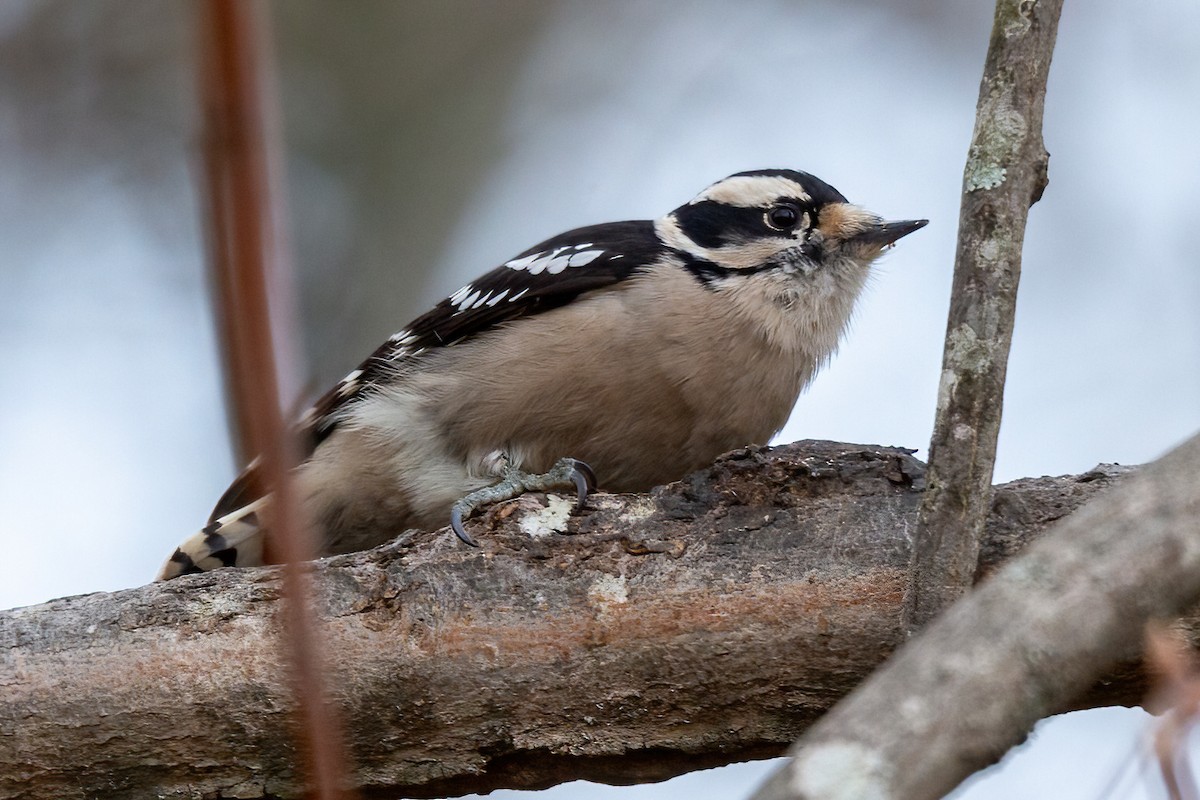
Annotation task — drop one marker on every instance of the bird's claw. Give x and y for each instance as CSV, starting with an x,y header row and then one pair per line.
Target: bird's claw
x,y
565,472
585,483
456,524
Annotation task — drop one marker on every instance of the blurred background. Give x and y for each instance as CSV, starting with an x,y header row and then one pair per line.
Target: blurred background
x,y
428,141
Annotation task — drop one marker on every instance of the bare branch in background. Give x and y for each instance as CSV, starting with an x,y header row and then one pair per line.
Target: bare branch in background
x,y
246,262
1004,176
709,622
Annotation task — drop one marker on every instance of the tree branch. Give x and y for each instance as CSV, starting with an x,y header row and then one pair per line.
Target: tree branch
x,y
648,644
1016,649
1005,174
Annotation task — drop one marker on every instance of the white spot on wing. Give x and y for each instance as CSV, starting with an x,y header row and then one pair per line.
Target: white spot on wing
x,y
465,298
555,261
518,295
539,265
584,257
496,298
524,263
349,384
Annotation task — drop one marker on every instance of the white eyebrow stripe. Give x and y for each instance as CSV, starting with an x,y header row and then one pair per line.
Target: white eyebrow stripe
x,y
752,191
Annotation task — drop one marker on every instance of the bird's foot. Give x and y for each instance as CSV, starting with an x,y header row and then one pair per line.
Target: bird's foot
x,y
565,472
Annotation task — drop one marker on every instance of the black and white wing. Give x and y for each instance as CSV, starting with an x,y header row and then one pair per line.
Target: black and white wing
x,y
546,276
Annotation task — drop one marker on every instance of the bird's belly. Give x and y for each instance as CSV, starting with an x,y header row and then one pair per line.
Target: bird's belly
x,y
638,421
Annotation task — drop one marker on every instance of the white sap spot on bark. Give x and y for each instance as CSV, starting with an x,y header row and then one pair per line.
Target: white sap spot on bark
x,y
638,509
551,519
607,591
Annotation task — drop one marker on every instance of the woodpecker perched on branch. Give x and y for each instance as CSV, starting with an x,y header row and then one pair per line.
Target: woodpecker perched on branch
x,y
642,350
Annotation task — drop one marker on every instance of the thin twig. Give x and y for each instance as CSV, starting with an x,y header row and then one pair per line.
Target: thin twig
x,y
244,254
1005,174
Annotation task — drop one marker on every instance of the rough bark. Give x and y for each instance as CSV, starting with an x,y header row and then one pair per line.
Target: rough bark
x,y
1017,648
1005,174
710,622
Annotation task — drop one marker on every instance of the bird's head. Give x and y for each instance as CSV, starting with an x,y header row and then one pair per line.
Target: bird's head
x,y
781,222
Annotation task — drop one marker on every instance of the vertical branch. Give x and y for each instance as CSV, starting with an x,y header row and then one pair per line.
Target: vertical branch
x,y
244,253
1005,174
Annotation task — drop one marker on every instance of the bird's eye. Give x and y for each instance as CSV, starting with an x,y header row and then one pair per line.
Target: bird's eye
x,y
783,217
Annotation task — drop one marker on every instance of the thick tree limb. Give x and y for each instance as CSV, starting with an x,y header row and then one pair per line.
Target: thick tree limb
x,y
710,622
1004,176
1014,650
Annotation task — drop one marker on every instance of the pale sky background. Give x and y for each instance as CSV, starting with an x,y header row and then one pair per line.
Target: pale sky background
x,y
431,141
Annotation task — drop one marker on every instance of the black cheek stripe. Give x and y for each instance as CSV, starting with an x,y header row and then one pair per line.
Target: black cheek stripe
x,y
707,271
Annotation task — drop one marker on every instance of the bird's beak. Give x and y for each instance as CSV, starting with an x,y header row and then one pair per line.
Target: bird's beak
x,y
887,233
